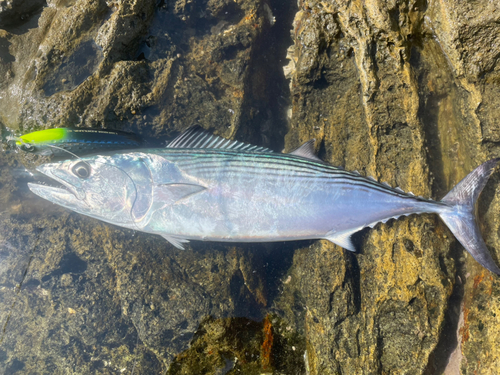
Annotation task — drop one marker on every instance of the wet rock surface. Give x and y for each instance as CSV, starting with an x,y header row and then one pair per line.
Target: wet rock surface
x,y
404,91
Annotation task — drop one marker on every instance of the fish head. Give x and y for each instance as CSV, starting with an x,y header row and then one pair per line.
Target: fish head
x,y
115,188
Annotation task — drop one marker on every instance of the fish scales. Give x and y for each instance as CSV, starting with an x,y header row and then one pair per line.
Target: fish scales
x,y
204,187
272,197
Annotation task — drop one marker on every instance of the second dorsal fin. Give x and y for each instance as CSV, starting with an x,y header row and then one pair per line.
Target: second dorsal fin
x,y
307,151
197,137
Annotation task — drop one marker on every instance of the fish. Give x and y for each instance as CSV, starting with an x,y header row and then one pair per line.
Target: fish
x,y
208,188
58,141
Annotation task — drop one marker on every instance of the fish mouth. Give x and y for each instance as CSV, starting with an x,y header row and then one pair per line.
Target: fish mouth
x,y
65,195
57,195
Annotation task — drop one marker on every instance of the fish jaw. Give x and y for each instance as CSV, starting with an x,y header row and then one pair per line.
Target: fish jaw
x,y
58,196
71,196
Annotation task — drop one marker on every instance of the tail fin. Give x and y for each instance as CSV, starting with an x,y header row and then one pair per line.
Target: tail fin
x,y
461,218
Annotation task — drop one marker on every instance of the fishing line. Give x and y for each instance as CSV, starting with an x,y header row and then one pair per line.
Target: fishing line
x,y
11,138
69,152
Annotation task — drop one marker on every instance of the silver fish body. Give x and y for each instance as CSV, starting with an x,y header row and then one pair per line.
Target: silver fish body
x,y
256,197
201,189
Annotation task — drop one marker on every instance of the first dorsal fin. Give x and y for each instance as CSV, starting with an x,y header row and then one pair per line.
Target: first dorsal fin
x,y
197,137
307,151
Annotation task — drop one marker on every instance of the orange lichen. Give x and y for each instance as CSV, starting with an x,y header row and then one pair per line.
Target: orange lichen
x,y
464,330
238,94
478,279
250,17
267,345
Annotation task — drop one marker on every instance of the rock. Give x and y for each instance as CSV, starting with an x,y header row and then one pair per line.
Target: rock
x,y
79,52
141,66
382,96
114,300
404,91
242,345
14,14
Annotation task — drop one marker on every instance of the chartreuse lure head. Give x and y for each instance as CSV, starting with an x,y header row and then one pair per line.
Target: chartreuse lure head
x,y
41,139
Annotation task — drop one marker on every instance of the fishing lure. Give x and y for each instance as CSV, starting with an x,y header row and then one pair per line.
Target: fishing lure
x,y
75,140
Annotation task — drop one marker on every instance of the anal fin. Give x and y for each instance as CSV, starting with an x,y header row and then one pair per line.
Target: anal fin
x,y
343,239
176,241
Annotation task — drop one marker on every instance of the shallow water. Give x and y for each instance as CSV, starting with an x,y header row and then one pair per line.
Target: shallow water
x,y
78,296
110,296
73,70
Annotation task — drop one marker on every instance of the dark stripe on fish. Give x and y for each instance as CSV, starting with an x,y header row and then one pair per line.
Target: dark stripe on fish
x,y
210,159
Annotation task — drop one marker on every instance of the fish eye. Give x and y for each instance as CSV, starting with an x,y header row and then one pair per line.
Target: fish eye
x,y
81,170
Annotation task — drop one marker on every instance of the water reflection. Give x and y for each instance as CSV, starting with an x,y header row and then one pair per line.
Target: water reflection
x,y
74,69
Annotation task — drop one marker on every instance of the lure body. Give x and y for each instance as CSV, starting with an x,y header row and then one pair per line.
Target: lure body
x,y
79,141
203,187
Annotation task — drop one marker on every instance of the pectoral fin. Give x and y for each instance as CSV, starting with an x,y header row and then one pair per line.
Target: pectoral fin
x,y
168,194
